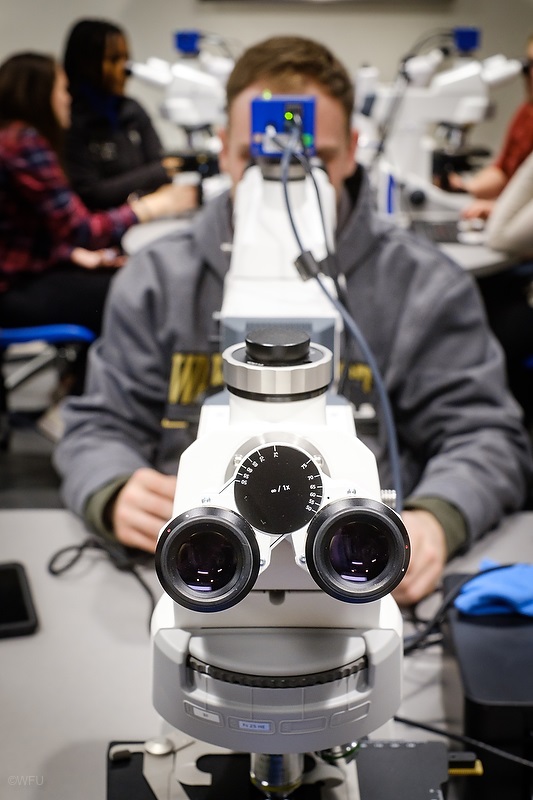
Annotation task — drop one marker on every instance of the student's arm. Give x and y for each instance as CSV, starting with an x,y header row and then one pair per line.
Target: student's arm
x,y
510,226
485,184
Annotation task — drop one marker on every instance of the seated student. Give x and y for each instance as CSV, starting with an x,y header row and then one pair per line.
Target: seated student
x,y
510,227
112,149
464,453
55,265
508,295
487,184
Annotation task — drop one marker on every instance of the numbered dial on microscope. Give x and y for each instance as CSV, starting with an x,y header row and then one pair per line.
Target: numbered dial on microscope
x,y
278,488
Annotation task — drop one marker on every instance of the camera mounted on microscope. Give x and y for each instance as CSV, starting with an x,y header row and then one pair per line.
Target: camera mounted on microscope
x,y
275,121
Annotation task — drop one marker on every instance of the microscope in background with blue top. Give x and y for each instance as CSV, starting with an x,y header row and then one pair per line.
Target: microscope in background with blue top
x,y
414,131
194,97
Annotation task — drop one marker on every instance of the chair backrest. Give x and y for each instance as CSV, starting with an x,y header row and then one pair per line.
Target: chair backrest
x,y
47,333
51,335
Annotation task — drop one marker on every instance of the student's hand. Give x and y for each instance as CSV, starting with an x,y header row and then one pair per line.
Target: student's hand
x,y
172,165
479,209
92,259
142,507
428,557
456,182
169,200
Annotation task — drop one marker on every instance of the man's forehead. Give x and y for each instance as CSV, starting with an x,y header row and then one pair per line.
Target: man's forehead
x,y
241,105
330,113
261,86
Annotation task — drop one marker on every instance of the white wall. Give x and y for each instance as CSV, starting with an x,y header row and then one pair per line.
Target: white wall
x,y
375,31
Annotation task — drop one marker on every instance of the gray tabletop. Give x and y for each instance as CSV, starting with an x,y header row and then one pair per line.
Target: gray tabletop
x,y
83,680
479,259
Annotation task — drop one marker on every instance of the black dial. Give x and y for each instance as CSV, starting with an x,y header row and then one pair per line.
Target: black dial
x,y
278,488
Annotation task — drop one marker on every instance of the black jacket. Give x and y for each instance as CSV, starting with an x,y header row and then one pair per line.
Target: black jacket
x,y
108,158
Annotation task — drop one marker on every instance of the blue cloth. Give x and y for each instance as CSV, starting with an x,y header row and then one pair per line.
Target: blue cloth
x,y
503,591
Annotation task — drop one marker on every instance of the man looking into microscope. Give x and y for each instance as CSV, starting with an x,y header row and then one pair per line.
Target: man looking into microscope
x,y
464,454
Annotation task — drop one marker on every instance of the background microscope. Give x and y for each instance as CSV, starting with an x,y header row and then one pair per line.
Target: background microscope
x,y
194,98
416,130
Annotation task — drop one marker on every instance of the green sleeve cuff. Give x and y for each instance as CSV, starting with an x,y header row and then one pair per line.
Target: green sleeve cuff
x,y
96,511
96,514
451,519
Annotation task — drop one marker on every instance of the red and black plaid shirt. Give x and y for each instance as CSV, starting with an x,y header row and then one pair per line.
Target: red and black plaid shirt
x,y
518,142
41,218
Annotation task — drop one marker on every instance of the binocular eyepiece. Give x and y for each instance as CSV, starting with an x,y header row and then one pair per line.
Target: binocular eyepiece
x,y
355,548
208,559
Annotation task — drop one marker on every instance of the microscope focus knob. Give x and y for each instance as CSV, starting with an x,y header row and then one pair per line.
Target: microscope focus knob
x,y
417,198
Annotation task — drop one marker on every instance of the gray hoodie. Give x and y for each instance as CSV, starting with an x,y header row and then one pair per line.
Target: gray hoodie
x,y
459,431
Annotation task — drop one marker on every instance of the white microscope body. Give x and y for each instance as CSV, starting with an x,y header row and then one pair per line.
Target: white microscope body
x,y
194,96
277,634
429,93
274,649
193,85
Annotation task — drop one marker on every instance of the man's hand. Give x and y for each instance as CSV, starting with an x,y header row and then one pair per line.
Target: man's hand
x,y
428,557
142,507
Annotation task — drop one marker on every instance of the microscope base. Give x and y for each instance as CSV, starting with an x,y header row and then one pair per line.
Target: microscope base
x,y
386,770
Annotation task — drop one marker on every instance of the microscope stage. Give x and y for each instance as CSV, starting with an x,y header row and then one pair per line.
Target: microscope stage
x,y
387,771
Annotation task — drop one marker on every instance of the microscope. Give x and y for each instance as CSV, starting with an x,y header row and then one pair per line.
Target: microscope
x,y
277,637
194,99
416,129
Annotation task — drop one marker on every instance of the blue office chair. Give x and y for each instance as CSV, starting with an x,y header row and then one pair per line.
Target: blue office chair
x,y
57,336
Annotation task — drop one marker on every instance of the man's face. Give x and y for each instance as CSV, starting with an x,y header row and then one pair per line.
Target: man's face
x,y
334,145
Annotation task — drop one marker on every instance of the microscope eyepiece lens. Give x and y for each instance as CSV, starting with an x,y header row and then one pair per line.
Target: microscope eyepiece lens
x,y
357,550
207,559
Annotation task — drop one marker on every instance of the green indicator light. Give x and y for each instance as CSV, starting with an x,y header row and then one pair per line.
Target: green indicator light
x,y
289,115
307,138
267,94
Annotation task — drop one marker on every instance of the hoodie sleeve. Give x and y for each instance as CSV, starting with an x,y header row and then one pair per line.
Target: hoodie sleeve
x,y
454,413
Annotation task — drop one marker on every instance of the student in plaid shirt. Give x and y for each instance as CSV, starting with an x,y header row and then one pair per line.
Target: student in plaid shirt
x,y
56,257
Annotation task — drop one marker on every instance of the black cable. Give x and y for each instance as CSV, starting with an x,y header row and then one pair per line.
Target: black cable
x,y
117,554
330,260
388,418
414,641
134,570
77,552
402,81
341,290
352,328
438,33
420,639
468,740
223,43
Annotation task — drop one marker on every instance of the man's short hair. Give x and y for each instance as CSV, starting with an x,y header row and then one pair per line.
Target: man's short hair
x,y
288,63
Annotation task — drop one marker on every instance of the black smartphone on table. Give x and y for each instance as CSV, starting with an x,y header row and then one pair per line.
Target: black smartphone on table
x,y
17,609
